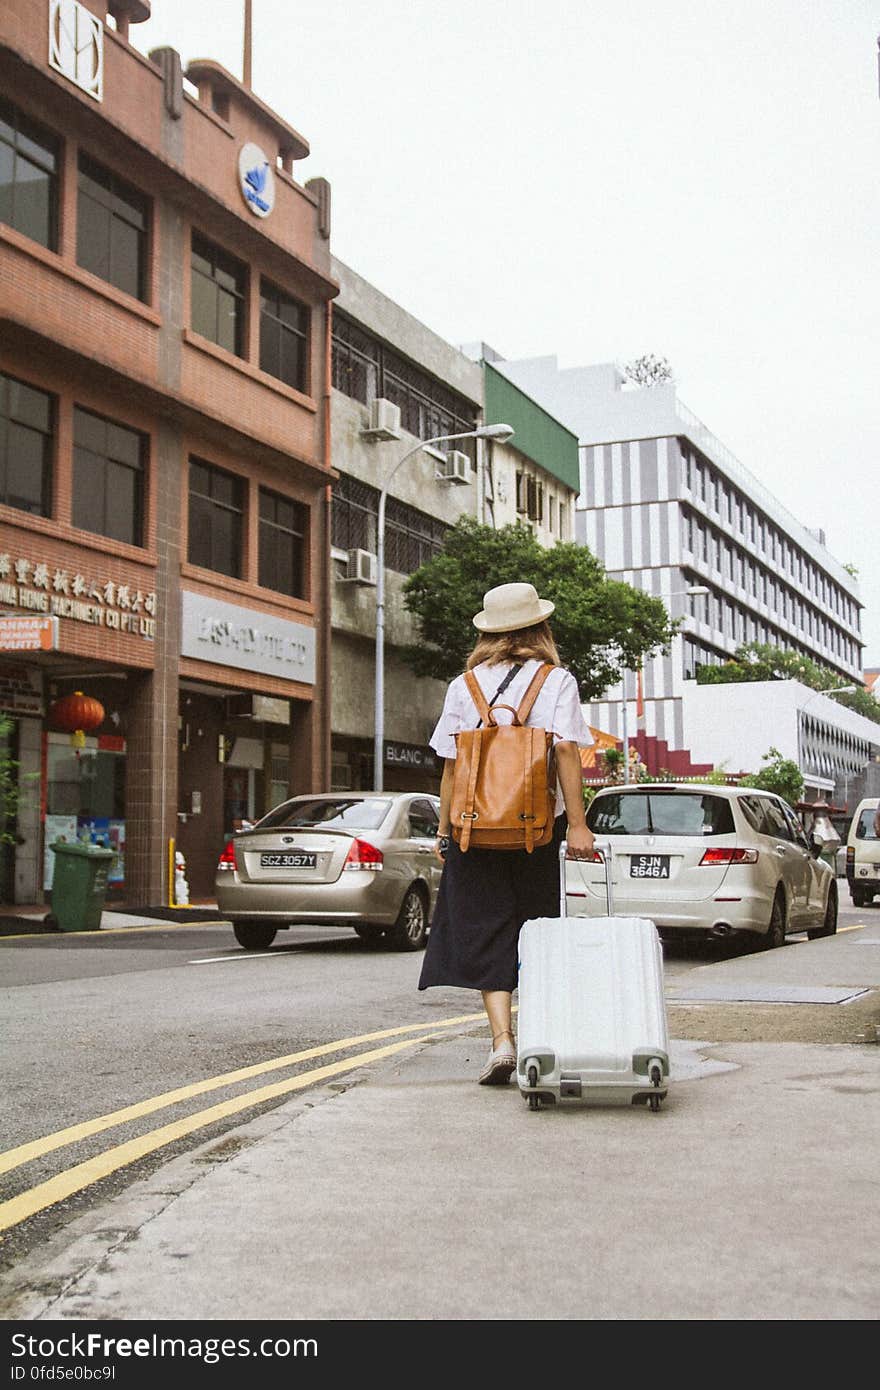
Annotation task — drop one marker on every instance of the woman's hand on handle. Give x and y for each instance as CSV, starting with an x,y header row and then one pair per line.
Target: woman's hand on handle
x,y
579,842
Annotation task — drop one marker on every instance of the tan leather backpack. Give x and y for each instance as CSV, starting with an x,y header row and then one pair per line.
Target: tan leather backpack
x,y
504,790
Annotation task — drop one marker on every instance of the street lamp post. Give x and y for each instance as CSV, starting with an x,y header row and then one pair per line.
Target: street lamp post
x,y
501,433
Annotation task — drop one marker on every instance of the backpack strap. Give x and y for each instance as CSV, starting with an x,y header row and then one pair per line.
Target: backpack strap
x,y
467,815
477,696
531,695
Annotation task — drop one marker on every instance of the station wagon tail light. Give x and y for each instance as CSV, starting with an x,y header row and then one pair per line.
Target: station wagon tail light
x,y
730,856
363,855
227,858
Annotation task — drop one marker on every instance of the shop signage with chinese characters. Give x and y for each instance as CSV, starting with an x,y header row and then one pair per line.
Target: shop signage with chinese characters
x,y
242,637
44,588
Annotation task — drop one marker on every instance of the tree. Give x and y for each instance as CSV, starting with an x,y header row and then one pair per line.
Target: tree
x,y
780,775
648,370
602,626
755,661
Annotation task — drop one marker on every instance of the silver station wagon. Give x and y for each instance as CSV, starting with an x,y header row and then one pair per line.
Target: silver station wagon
x,y
364,860
705,860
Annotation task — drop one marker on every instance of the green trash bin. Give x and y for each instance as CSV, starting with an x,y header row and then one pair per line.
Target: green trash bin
x,y
79,886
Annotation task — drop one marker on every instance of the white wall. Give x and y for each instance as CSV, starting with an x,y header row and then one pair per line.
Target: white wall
x,y
735,725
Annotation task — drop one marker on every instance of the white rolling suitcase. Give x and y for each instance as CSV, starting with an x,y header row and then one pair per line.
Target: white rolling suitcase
x,y
592,1009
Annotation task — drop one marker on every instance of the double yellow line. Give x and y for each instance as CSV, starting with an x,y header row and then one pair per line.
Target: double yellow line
x,y
82,1175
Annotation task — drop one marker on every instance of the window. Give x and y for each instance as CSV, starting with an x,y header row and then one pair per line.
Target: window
x,y
660,813
284,336
423,820
218,285
26,427
411,537
216,519
529,497
364,367
283,525
108,477
28,177
111,228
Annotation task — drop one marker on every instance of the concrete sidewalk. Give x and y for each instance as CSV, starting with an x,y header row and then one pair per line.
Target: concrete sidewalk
x,y
406,1191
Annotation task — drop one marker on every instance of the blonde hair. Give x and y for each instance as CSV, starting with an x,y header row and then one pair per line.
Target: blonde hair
x,y
523,644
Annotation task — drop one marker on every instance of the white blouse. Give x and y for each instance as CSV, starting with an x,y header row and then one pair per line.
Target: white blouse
x,y
557,708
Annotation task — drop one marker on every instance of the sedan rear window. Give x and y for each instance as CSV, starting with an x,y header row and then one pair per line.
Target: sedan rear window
x,y
339,813
660,813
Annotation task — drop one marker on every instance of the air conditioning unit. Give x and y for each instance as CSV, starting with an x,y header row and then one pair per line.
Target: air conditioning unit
x,y
361,567
384,420
455,468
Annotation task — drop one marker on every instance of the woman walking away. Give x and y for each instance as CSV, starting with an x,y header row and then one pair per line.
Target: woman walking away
x,y
486,893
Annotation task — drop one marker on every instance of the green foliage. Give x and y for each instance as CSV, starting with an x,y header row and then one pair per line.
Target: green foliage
x,y
601,625
852,570
780,775
10,786
756,661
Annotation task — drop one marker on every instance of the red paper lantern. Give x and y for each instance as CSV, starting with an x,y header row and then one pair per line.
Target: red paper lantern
x,y
77,714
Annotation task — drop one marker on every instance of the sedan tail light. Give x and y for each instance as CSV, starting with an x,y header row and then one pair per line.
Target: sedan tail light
x,y
227,858
363,855
730,856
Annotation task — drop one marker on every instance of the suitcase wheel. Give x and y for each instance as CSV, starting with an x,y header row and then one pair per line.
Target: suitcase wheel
x,y
534,1099
656,1074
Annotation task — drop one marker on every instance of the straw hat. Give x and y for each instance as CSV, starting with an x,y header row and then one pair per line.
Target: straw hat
x,y
511,606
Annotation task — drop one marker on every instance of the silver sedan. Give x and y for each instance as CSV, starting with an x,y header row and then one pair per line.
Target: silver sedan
x,y
706,860
360,859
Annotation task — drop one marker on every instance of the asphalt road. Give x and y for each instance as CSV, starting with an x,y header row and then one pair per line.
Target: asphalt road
x,y
146,1026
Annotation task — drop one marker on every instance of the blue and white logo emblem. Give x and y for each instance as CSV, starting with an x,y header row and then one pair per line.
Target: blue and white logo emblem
x,y
256,180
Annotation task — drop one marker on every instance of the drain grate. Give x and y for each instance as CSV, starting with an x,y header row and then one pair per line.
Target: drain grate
x,y
766,994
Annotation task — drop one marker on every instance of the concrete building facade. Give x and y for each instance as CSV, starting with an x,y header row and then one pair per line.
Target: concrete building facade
x,y
165,285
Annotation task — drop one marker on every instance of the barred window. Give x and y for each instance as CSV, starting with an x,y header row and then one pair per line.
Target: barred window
x,y
411,536
364,367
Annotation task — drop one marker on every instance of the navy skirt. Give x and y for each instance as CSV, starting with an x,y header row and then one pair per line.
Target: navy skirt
x,y
485,896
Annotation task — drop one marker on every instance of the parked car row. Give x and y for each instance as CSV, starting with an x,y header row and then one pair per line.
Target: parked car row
x,y
697,860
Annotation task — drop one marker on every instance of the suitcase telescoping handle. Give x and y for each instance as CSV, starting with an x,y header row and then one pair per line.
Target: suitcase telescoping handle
x,y
603,849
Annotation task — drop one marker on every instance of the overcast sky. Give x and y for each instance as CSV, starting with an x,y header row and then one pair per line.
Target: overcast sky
x,y
598,179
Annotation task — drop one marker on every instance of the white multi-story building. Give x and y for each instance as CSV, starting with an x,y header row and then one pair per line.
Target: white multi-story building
x,y
666,507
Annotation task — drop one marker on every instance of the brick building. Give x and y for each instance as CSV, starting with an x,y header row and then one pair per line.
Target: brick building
x,y
165,288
